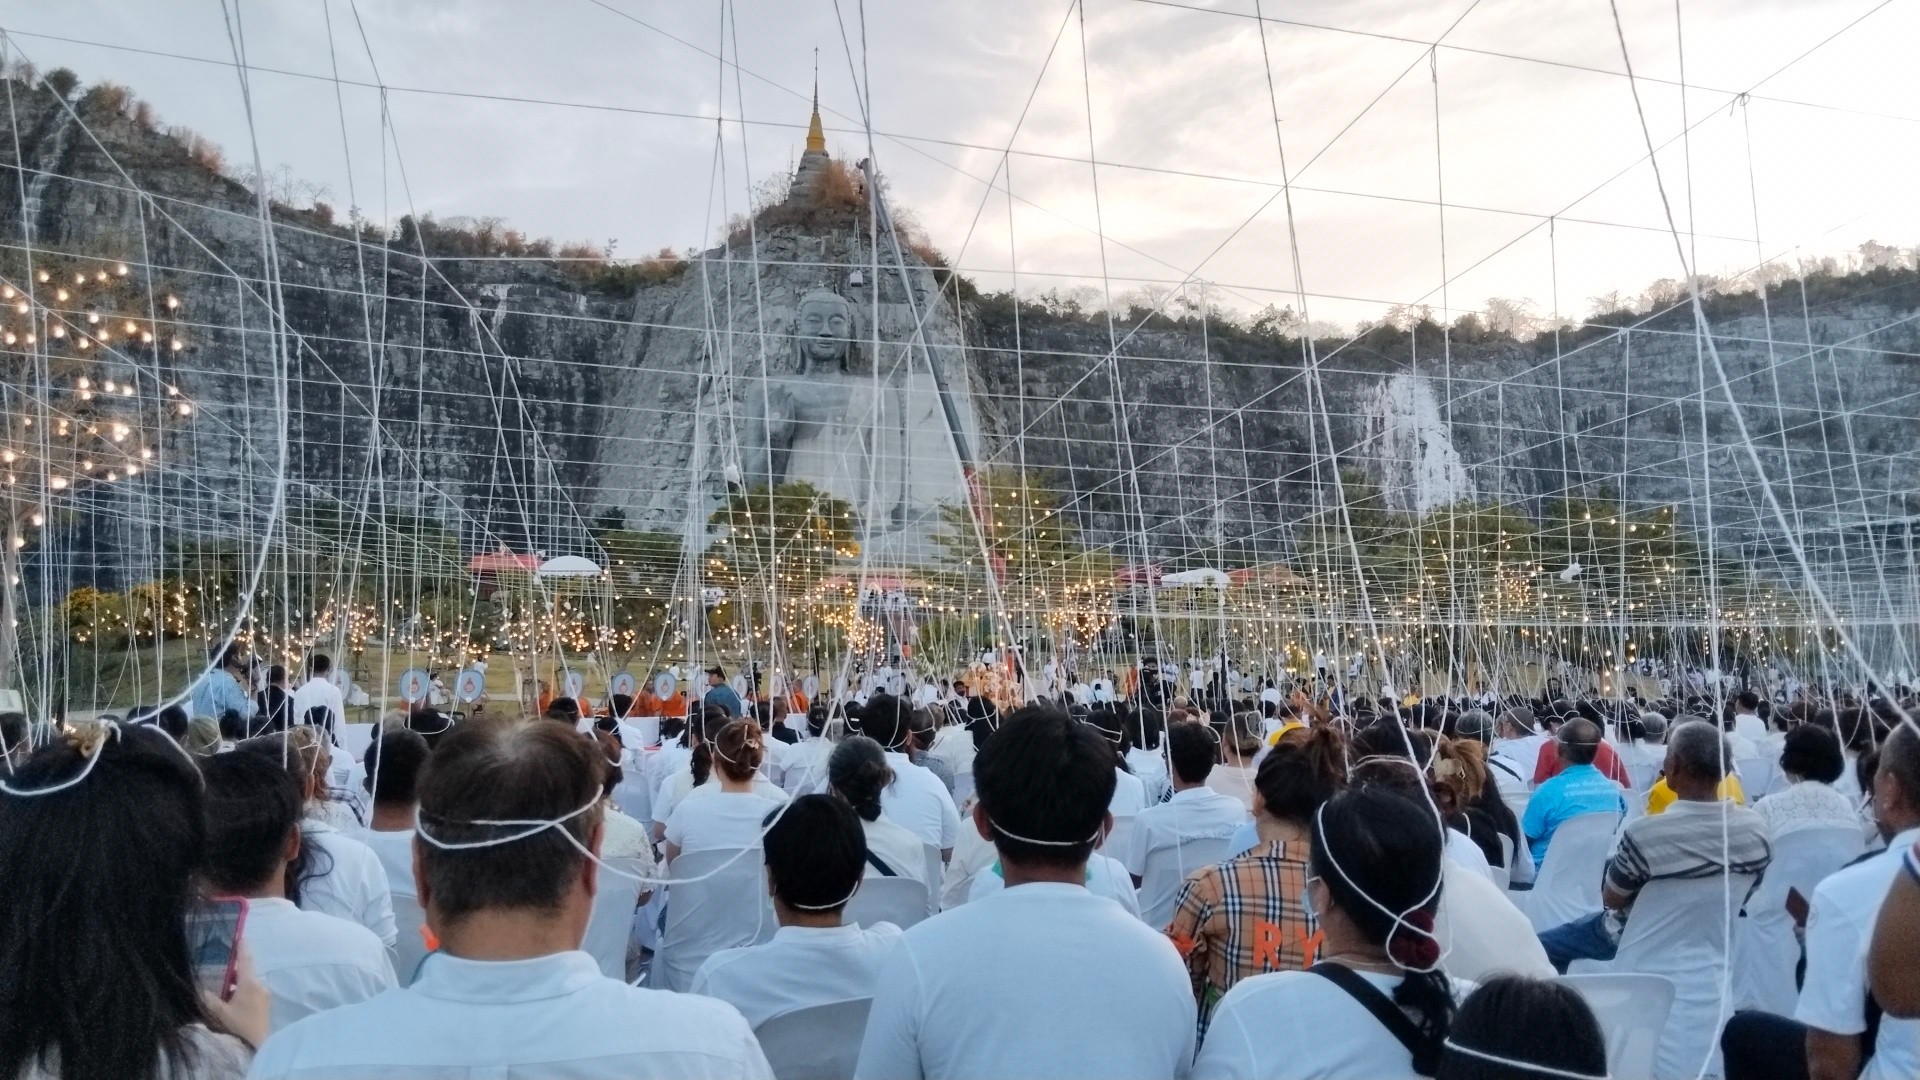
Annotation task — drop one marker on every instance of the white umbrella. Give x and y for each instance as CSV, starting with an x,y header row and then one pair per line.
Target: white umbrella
x,y
569,566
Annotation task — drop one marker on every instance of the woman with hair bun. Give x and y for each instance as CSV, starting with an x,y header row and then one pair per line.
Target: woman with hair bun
x,y
727,812
857,772
1374,883
1249,915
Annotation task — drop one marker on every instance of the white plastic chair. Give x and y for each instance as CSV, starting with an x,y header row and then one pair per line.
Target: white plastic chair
x,y
1758,776
901,901
1765,950
409,948
1167,867
1680,929
1632,1010
1567,885
611,924
936,873
962,783
727,910
819,1042
1642,777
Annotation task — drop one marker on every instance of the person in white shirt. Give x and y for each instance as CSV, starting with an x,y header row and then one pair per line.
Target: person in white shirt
x,y
731,817
319,691
1239,746
1514,1027
806,772
1811,761
815,856
696,776
1520,740
1195,812
1376,876
508,993
1144,757
1746,719
1042,979
335,874
859,774
916,799
1105,877
309,962
1831,1018
394,759
1129,791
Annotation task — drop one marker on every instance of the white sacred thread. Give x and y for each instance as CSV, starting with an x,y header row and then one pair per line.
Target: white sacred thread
x,y
528,827
1400,918
840,903
1047,843
1524,1066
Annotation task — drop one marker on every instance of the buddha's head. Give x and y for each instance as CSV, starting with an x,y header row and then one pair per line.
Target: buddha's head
x,y
823,330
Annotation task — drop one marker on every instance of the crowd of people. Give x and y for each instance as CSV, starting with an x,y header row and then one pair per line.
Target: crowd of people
x,y
1295,886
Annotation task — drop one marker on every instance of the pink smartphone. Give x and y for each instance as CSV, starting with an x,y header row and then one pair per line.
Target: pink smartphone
x,y
213,941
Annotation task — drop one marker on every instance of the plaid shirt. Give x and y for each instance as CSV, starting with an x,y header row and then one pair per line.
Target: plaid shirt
x,y
1243,917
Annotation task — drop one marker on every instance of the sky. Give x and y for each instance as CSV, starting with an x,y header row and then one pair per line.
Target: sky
x,y
1442,151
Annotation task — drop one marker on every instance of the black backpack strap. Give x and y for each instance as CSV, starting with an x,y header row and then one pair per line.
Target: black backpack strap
x,y
1382,1007
885,870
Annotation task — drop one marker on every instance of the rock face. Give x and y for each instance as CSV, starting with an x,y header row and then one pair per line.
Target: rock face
x,y
518,401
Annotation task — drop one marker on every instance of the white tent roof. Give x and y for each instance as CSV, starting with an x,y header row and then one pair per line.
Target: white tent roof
x,y
569,566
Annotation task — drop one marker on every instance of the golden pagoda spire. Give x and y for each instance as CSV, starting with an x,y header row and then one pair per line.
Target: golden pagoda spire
x,y
816,138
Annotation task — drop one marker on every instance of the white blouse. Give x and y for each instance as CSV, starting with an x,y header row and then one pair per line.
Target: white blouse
x,y
1807,803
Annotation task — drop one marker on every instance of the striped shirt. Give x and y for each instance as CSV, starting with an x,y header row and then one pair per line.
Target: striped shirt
x,y
1691,840
1244,917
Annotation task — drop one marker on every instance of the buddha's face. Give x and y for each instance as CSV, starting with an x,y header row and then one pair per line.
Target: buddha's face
x,y
823,325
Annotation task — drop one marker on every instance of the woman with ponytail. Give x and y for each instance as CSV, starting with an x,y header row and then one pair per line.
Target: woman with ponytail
x,y
1376,1004
857,772
1249,916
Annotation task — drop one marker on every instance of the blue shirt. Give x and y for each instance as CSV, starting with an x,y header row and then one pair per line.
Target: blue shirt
x,y
1580,789
217,693
724,697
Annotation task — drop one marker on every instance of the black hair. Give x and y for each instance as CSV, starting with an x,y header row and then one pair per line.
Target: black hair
x,y
173,720
713,720
1747,700
1045,777
319,664
13,732
1813,752
317,716
886,720
1374,848
1300,772
563,708
1193,749
1145,726
94,964
816,852
1537,1021
620,705
817,715
393,764
252,805
858,771
510,770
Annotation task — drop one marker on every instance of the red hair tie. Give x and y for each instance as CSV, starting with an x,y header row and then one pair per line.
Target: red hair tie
x,y
1412,944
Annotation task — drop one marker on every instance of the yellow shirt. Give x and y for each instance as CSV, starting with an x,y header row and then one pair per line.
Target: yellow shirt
x,y
1662,796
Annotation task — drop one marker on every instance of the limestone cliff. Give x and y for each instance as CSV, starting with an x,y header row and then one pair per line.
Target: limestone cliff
x,y
519,399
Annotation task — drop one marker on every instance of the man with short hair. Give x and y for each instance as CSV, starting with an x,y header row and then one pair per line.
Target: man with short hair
x,y
319,691
721,694
1042,978
1698,836
1578,789
1836,1013
916,799
394,760
225,688
1517,740
816,856
508,991
1194,812
1478,725
1747,724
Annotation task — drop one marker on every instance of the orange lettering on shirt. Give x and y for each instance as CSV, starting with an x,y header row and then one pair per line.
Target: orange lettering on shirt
x,y
1267,940
1309,945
